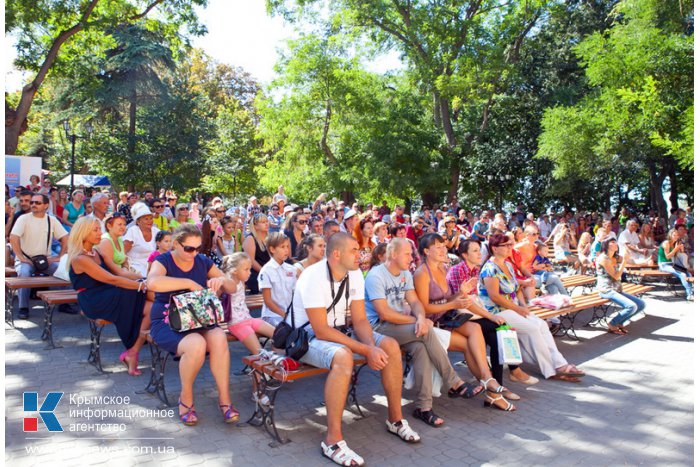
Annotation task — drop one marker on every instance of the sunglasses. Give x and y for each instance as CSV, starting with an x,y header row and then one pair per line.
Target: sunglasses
x,y
182,209
221,210
191,249
36,202
303,222
157,206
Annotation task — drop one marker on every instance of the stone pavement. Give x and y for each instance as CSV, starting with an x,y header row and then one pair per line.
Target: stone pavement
x,y
634,407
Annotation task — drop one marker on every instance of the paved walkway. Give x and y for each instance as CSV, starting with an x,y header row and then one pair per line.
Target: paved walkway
x,y
634,407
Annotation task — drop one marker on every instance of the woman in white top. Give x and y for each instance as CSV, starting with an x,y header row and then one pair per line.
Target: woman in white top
x,y
311,250
140,239
277,279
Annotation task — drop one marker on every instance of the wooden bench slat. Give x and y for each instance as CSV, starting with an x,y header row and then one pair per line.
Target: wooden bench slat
x,y
35,282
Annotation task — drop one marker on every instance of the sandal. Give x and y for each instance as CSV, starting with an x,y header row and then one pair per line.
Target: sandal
x,y
189,418
510,395
231,415
499,389
428,416
490,401
341,454
570,379
466,391
571,370
617,331
403,431
135,371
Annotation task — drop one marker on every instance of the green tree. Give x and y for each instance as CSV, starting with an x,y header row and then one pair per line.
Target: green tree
x,y
43,29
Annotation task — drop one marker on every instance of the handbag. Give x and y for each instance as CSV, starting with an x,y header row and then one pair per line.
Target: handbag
x,y
41,262
508,347
200,309
453,319
295,341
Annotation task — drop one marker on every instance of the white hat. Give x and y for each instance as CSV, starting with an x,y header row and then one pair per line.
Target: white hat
x,y
288,208
139,210
253,198
349,214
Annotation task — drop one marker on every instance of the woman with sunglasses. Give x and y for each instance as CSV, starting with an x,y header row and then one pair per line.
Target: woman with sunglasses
x,y
297,230
182,216
254,247
184,268
501,295
275,218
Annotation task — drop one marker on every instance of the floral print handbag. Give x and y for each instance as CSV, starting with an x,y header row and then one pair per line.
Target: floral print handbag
x,y
200,309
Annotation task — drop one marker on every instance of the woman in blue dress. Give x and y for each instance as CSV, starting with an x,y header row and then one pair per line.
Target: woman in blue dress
x,y
184,268
103,295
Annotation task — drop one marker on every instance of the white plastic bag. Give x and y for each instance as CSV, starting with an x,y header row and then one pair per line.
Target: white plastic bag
x,y
410,380
508,347
62,269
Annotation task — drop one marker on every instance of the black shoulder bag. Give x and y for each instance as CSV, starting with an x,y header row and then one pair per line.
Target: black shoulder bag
x,y
295,341
41,262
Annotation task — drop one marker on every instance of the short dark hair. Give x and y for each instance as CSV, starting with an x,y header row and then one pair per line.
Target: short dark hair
x,y
464,245
426,241
395,227
327,226
26,192
44,197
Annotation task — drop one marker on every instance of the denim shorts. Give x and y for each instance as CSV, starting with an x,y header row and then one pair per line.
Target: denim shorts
x,y
321,352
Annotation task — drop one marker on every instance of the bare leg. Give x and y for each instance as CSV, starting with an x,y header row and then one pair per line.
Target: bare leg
x,y
220,362
132,357
391,378
336,393
191,350
252,344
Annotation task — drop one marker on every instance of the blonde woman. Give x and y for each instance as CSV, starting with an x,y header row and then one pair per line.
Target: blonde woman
x,y
584,251
102,295
254,247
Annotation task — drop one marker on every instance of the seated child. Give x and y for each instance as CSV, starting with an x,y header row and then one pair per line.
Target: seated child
x,y
542,265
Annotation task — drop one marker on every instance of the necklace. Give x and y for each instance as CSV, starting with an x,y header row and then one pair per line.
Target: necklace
x,y
89,253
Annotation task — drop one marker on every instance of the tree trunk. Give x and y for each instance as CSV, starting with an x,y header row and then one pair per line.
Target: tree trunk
x,y
13,132
673,198
656,181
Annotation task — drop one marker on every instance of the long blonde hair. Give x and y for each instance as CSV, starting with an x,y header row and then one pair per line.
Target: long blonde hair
x,y
81,229
254,231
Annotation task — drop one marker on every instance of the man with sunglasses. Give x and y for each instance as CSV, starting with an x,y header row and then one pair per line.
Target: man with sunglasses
x,y
31,236
275,218
159,220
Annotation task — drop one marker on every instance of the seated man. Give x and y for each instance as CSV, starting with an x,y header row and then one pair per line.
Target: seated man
x,y
31,236
629,241
327,294
393,308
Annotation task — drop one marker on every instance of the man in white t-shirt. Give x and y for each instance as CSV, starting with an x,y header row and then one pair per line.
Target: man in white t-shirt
x,y
629,241
32,235
327,294
279,196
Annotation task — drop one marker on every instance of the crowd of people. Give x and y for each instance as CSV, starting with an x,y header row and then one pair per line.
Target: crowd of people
x,y
370,280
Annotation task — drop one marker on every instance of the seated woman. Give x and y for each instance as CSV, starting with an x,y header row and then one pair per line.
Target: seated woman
x,y
430,282
311,250
184,268
646,240
465,276
363,234
670,249
103,295
500,294
584,252
111,247
564,241
609,270
140,239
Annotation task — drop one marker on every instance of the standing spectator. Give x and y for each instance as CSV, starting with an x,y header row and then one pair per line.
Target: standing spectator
x,y
398,215
31,236
140,239
280,196
253,207
384,209
34,184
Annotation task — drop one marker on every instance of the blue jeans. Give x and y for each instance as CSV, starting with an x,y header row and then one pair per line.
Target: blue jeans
x,y
668,267
630,304
26,270
551,282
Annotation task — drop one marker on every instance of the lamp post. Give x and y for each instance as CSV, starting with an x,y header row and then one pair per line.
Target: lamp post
x,y
503,179
72,137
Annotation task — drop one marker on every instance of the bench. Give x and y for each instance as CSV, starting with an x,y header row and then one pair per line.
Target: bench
x,y
268,379
578,280
159,356
10,271
568,314
12,284
52,299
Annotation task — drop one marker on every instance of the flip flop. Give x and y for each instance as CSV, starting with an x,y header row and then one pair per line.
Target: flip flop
x,y
617,331
568,372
